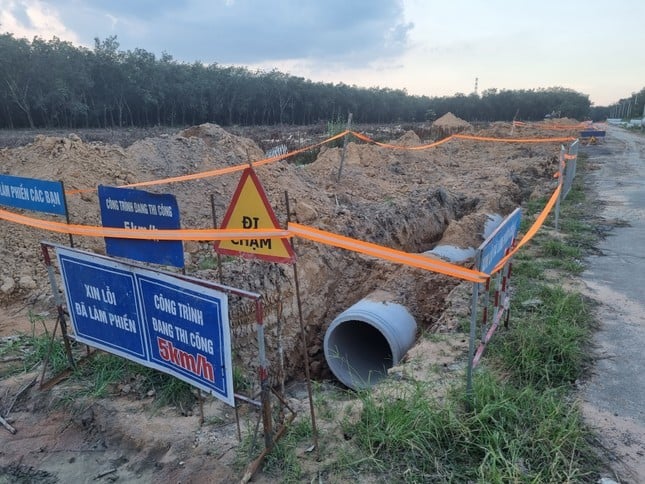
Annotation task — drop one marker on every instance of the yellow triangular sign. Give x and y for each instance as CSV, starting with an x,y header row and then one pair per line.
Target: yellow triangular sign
x,y
250,209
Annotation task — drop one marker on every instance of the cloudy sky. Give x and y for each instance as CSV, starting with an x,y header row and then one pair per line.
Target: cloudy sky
x,y
427,47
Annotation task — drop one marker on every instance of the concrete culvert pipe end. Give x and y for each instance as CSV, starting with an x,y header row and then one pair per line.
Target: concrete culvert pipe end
x,y
367,339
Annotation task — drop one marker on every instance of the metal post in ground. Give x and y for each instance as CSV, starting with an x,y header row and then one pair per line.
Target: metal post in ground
x,y
473,335
303,339
342,156
560,176
71,239
265,391
217,254
59,305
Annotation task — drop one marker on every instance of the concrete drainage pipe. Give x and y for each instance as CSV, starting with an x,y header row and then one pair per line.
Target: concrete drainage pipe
x,y
367,339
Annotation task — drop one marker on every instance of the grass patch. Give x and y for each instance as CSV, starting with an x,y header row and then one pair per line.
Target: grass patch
x,y
546,346
283,461
105,374
559,249
32,348
511,435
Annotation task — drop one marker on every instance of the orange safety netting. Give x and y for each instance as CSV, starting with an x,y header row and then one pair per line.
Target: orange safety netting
x,y
532,231
385,253
328,238
156,234
513,140
367,139
219,171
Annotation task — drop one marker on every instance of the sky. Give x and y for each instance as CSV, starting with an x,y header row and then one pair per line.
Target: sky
x,y
427,47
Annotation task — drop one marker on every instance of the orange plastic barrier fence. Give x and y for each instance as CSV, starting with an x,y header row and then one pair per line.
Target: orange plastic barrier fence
x,y
462,136
163,234
219,171
532,231
554,127
303,231
514,140
385,253
367,139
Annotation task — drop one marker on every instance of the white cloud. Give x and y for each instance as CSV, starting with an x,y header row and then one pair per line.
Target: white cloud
x,y
30,18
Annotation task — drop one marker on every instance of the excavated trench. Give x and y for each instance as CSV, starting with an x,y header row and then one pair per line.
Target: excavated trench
x,y
333,280
410,201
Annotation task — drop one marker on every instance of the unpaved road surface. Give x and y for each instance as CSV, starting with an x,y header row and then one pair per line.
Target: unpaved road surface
x,y
615,395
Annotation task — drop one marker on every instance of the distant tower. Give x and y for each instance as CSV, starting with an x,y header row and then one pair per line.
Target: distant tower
x,y
476,81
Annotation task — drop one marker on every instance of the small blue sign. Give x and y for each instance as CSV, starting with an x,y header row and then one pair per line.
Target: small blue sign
x,y
596,133
102,303
32,194
494,247
186,333
175,326
137,209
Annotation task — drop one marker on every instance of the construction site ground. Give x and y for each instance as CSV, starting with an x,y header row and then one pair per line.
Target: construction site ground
x,y
409,200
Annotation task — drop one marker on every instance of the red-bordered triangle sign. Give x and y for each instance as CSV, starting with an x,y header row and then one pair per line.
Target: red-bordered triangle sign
x,y
250,209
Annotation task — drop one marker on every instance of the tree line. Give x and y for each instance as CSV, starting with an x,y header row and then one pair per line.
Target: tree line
x,y
54,84
629,107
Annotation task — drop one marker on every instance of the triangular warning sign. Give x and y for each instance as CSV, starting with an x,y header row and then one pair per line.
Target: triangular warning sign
x,y
250,209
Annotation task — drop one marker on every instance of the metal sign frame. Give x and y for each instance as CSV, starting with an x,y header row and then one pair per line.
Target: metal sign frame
x,y
487,256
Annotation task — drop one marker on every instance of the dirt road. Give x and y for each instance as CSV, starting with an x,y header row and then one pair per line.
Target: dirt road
x,y
614,396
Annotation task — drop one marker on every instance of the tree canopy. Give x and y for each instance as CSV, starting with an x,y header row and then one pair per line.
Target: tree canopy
x,y
52,83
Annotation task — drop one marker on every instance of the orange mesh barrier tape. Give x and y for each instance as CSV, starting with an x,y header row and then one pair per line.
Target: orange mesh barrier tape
x,y
385,253
533,230
462,136
513,140
167,234
367,139
219,171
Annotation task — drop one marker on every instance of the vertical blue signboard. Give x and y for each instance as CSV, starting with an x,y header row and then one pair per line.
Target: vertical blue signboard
x,y
494,247
175,326
186,334
32,194
102,303
137,209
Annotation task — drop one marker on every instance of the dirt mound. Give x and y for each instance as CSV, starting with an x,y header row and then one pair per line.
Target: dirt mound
x,y
449,124
562,121
410,138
